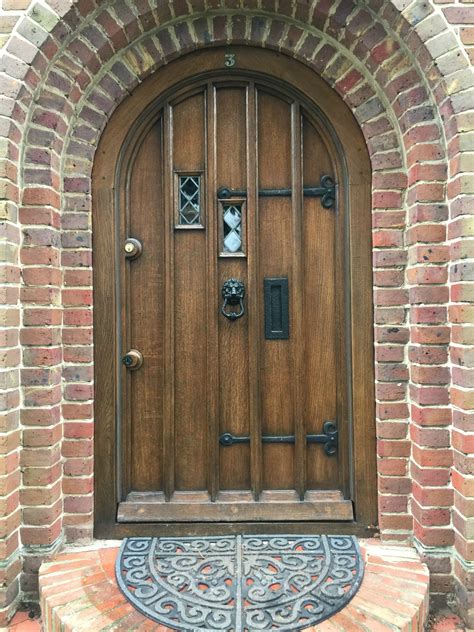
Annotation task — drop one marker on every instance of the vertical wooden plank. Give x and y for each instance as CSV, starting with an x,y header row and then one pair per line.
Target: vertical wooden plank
x,y
233,358
169,373
124,455
190,303
212,292
106,451
296,302
145,306
254,302
275,244
324,375
343,307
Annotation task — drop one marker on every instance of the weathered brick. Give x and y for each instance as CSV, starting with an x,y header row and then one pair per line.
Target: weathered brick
x,y
394,63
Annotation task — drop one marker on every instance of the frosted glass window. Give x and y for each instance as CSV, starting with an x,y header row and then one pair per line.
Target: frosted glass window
x,y
232,217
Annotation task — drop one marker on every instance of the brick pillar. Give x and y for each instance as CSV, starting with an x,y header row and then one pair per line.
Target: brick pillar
x,y
427,273
461,232
77,406
41,498
390,353
10,356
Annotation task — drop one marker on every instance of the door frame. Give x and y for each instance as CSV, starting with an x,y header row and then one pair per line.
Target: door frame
x,y
129,121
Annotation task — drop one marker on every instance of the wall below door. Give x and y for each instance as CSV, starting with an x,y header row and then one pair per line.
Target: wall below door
x,y
372,606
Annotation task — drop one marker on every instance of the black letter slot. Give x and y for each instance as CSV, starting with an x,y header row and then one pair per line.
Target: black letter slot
x,y
276,309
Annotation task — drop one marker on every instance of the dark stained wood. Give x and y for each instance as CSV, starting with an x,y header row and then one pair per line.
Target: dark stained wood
x,y
191,433
169,327
202,374
255,299
233,357
232,507
122,530
324,343
300,334
106,493
144,288
212,247
275,250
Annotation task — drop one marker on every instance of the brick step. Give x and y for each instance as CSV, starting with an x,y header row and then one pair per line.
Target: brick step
x,y
78,593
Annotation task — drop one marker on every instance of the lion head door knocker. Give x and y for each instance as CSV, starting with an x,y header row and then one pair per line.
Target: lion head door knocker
x,y
233,292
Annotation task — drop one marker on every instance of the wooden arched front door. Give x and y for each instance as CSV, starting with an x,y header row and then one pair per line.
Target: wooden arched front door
x,y
232,279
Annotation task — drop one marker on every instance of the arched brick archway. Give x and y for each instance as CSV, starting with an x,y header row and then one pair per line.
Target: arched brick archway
x,y
68,67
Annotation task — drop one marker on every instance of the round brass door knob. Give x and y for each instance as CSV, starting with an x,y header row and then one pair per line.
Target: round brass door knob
x,y
133,248
133,359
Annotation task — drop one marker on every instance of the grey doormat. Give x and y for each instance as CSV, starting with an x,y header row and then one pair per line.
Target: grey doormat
x,y
240,583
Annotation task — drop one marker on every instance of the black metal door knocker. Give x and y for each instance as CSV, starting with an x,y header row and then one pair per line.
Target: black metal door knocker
x,y
233,292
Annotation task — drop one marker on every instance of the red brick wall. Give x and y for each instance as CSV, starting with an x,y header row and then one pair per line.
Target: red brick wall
x,y
404,69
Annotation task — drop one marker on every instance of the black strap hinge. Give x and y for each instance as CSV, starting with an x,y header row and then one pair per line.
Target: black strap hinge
x,y
326,191
329,438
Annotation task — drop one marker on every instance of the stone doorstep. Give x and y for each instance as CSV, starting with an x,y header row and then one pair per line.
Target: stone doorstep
x,y
78,593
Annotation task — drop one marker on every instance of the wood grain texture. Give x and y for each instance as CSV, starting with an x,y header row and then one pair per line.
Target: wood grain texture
x,y
299,328
144,291
169,308
211,292
324,317
233,357
204,375
120,530
255,297
275,252
232,508
189,287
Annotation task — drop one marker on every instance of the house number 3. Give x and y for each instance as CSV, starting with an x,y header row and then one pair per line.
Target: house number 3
x,y
229,60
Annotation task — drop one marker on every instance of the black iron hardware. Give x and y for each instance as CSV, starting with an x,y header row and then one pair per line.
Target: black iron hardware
x,y
132,360
233,293
329,438
277,326
133,248
326,191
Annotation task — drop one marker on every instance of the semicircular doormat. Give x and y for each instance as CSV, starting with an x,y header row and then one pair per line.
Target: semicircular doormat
x,y
240,583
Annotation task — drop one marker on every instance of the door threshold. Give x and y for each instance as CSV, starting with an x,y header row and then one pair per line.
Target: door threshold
x,y
277,505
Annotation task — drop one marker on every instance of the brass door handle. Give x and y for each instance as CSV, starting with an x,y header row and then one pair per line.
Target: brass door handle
x,y
132,360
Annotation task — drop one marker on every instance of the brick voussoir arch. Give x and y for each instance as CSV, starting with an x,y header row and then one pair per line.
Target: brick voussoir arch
x,y
123,72
125,24
128,25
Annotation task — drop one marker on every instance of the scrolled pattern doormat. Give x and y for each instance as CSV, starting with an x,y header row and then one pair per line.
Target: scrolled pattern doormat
x,y
240,583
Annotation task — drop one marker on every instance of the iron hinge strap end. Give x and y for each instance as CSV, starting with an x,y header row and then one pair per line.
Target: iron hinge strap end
x,y
329,438
326,191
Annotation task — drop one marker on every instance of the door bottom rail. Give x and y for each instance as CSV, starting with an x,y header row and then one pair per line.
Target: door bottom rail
x,y
272,505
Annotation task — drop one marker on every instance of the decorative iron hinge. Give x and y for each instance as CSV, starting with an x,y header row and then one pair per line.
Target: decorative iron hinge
x,y
329,438
326,191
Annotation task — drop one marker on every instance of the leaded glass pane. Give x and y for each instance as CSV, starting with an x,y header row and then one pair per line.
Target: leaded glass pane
x,y
189,200
232,216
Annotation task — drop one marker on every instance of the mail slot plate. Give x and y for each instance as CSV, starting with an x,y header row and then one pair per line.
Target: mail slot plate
x,y
277,326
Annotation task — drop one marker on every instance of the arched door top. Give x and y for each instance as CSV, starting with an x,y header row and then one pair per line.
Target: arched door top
x,y
231,207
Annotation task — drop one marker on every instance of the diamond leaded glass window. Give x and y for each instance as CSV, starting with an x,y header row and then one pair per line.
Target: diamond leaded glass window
x,y
232,218
189,195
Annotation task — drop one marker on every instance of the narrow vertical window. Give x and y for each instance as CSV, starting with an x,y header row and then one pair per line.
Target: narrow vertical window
x,y
189,200
232,218
232,228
